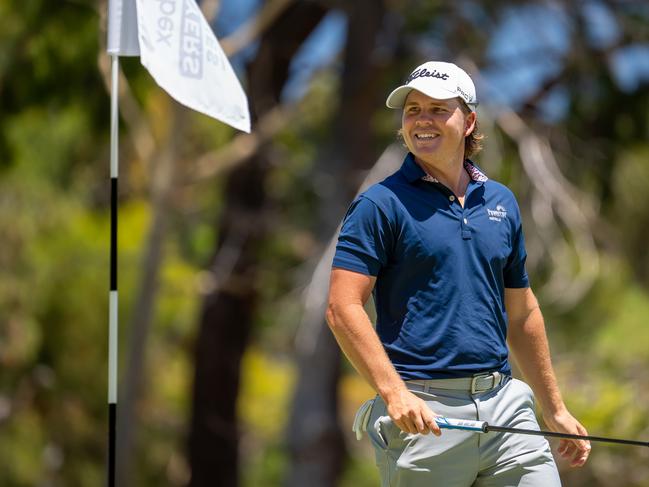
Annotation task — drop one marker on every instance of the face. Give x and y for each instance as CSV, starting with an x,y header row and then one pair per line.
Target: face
x,y
434,130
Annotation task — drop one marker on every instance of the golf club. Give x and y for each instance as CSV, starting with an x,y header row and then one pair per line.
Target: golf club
x,y
484,427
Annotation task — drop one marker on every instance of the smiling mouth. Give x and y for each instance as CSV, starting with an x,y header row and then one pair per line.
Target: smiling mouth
x,y
426,136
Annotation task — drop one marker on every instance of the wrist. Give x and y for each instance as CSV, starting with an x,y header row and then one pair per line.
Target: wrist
x,y
554,412
550,400
389,392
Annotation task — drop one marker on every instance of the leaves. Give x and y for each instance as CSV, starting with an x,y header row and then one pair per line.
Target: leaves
x,y
54,233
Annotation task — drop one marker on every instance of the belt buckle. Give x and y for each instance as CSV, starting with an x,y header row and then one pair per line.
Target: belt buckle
x,y
474,381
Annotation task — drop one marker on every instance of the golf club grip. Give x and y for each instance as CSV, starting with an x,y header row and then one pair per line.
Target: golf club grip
x,y
461,424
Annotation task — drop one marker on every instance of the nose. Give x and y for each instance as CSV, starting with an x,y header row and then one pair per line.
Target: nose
x,y
424,117
423,120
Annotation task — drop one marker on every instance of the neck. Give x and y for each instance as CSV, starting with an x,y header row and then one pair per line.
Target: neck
x,y
452,175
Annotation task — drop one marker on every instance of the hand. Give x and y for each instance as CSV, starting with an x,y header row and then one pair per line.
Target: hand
x,y
576,451
411,414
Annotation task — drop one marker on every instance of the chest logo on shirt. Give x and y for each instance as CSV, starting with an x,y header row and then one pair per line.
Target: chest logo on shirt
x,y
498,214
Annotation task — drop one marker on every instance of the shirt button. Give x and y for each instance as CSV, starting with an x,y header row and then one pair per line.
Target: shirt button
x,y
466,221
452,198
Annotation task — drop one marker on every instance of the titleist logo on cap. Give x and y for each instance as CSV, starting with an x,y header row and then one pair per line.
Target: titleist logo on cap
x,y
424,73
438,80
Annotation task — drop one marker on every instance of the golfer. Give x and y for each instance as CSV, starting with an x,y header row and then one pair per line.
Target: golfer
x,y
440,247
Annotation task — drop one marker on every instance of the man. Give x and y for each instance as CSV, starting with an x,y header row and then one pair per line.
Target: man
x,y
440,246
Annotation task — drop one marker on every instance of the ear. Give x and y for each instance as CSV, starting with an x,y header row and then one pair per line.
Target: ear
x,y
469,123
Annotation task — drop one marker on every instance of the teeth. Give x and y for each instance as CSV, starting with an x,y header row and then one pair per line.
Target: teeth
x,y
426,136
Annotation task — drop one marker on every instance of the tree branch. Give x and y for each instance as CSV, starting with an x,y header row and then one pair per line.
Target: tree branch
x,y
556,199
254,27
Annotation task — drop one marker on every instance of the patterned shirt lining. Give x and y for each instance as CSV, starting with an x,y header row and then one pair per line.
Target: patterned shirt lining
x,y
474,173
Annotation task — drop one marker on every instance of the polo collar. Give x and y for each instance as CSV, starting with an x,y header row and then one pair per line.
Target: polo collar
x,y
476,174
413,171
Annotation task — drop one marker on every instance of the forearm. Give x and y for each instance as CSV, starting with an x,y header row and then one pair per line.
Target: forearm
x,y
529,346
355,334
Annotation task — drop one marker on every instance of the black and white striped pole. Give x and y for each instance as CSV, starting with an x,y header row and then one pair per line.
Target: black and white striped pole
x,y
112,295
166,61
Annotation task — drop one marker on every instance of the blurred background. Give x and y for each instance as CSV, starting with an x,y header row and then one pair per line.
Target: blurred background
x,y
228,373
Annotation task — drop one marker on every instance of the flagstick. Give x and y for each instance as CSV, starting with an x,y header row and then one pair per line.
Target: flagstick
x,y
112,297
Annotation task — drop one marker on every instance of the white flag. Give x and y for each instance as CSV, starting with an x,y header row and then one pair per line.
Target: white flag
x,y
179,49
122,28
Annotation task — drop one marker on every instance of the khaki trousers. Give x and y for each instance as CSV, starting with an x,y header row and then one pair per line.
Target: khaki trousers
x,y
461,458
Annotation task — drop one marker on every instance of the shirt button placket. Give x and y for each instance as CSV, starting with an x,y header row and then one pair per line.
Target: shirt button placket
x,y
466,231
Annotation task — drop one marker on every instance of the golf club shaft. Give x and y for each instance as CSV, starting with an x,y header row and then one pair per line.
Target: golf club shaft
x,y
484,427
554,434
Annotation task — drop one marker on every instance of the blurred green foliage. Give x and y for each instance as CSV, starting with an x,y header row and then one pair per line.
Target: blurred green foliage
x,y
54,266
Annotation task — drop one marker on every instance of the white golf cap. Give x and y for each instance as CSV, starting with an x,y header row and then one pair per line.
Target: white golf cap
x,y
438,80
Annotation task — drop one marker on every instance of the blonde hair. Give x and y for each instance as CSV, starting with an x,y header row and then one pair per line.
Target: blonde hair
x,y
473,141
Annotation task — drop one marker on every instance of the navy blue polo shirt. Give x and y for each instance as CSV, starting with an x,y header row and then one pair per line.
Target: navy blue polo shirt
x,y
441,269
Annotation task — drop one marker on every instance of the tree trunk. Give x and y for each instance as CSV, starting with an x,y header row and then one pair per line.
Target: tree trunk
x,y
228,309
225,328
315,438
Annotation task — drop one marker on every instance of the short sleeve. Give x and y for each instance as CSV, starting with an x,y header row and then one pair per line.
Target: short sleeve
x,y
365,239
515,274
